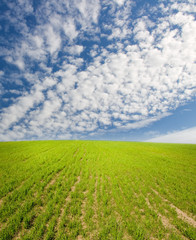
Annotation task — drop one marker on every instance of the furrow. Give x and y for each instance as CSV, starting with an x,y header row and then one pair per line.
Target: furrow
x,y
165,221
182,215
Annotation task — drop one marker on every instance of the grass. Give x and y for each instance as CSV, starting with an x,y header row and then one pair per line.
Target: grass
x,y
97,190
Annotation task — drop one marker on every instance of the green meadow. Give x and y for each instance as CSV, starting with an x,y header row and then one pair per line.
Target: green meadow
x,y
97,190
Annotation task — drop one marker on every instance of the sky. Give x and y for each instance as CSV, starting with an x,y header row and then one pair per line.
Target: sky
x,y
100,70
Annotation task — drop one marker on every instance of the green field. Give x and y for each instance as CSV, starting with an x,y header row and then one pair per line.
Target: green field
x,y
97,190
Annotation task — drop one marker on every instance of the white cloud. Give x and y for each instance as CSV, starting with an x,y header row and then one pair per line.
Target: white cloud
x,y
46,37
184,136
38,41
25,6
53,40
120,2
20,63
89,10
24,103
145,122
49,82
70,29
75,50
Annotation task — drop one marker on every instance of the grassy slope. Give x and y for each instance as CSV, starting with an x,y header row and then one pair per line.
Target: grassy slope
x,y
97,190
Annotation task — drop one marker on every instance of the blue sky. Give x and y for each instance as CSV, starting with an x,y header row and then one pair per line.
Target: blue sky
x,y
89,69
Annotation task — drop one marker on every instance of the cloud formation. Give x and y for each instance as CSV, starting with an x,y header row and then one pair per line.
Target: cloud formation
x,y
184,136
89,66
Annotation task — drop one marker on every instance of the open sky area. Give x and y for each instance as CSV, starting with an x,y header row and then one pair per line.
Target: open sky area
x,y
90,69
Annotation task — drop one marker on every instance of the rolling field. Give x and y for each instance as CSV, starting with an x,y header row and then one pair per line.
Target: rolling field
x,y
97,190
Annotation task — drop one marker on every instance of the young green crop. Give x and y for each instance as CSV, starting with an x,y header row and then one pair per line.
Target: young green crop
x,y
97,190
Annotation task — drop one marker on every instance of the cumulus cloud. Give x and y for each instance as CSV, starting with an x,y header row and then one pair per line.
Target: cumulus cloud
x,y
87,73
184,136
75,50
24,103
69,29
